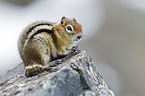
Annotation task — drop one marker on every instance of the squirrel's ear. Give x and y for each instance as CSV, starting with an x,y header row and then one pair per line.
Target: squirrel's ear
x,y
74,19
63,20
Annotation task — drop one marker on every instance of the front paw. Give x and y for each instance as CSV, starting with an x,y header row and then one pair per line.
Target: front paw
x,y
75,49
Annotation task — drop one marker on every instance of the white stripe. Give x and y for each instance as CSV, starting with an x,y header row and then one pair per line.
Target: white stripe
x,y
35,30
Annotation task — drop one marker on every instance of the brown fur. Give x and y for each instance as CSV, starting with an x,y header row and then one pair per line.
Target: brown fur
x,y
39,44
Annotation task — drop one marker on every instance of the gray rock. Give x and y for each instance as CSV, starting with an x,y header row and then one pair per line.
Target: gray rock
x,y
76,75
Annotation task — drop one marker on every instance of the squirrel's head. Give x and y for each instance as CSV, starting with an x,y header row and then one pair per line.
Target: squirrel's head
x,y
72,29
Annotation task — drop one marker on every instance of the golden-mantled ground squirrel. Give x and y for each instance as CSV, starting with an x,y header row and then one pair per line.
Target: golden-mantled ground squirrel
x,y
42,42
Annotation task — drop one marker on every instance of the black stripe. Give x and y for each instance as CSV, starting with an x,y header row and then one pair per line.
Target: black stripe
x,y
40,31
37,26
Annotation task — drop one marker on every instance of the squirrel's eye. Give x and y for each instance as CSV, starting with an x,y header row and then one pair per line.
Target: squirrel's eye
x,y
69,28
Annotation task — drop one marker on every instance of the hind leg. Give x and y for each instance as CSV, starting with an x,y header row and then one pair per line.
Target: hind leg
x,y
36,56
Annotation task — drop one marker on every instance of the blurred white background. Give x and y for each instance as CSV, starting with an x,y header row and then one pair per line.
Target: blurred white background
x,y
114,35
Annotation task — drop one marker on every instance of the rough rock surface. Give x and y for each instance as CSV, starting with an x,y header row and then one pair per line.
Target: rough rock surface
x,y
76,75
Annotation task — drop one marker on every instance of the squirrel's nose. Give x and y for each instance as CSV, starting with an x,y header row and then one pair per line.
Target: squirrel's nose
x,y
79,37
